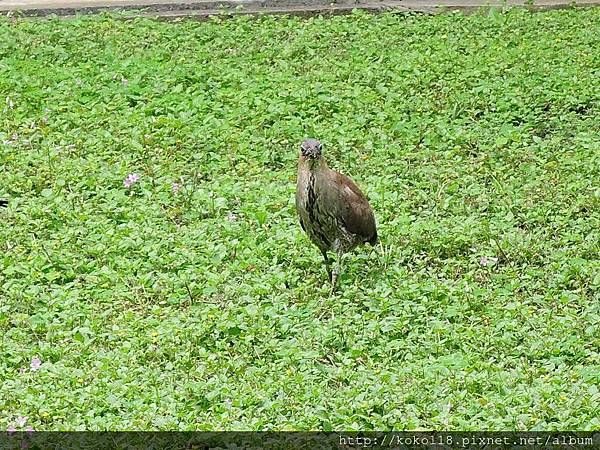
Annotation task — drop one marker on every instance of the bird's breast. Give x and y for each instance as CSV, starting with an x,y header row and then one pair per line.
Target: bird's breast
x,y
309,197
311,193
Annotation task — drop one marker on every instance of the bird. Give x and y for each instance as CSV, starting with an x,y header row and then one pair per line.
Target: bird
x,y
332,210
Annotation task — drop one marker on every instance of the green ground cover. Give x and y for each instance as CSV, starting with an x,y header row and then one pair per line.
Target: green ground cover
x,y
202,305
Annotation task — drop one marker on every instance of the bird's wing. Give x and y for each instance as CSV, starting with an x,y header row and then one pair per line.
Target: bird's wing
x,y
353,209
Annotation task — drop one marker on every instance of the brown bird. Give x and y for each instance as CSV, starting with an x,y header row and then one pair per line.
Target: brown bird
x,y
332,210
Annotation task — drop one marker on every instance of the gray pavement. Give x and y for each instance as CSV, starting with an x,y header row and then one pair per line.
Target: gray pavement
x,y
203,9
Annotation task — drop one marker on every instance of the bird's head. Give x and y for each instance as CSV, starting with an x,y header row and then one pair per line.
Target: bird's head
x,y
310,149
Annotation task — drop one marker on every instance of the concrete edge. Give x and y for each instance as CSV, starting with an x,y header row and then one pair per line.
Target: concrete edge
x,y
195,11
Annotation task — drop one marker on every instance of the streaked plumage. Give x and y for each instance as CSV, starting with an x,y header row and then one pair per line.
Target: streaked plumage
x,y
332,210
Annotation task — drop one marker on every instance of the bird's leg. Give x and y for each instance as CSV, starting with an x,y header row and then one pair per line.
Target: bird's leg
x,y
327,263
336,270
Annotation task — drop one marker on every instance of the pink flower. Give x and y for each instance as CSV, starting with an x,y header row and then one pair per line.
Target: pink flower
x,y
175,187
21,370
29,430
131,179
488,261
11,429
35,363
21,421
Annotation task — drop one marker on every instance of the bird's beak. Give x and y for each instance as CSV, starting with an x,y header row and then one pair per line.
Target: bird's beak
x,y
310,153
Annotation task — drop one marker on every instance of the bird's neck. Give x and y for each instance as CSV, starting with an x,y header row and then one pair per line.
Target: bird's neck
x,y
317,164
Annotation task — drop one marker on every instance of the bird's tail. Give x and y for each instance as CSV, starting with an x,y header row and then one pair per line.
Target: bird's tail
x,y
373,240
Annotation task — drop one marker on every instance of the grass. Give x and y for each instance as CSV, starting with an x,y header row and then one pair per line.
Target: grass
x,y
207,308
